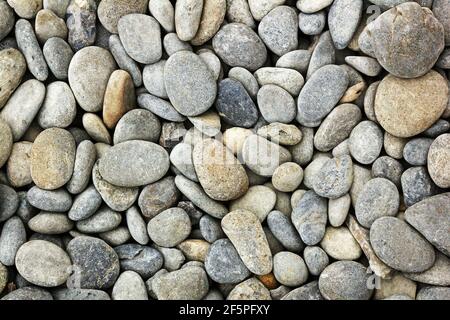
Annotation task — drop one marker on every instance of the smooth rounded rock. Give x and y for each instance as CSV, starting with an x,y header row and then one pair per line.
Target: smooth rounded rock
x,y
110,11
388,168
334,178
48,25
316,259
58,54
438,161
9,202
18,165
169,227
271,100
188,14
12,67
146,261
50,223
343,20
137,226
365,142
59,106
85,158
85,204
213,14
129,286
12,236
289,269
103,220
339,244
259,200
55,201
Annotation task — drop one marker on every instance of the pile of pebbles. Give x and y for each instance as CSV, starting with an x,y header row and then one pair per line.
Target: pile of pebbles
x,y
224,149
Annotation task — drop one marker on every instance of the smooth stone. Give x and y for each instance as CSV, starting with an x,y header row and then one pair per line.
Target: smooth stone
x,y
341,149
302,152
172,44
213,14
316,259
281,133
103,220
9,202
366,142
310,217
164,13
158,196
150,163
28,293
439,127
251,289
43,263
239,11
290,80
188,14
6,138
199,93
308,6
394,145
287,177
387,37
369,101
181,158
50,223
137,226
194,250
26,9
283,202
262,156
12,66
345,280
438,274
146,261
279,30
284,231
431,218
59,7
399,246
153,78
58,54
59,106
378,198
343,20
124,61
55,201
335,178
222,177
234,104
116,237
159,107
85,204
433,293
173,258
129,286
260,8
80,294
244,230
323,54
48,25
312,24
259,200
29,46
98,263
138,124
208,123
210,228
169,227
339,244
12,236
276,104
296,59
23,106
416,151
320,94
246,78
417,185
7,21
361,176
117,198
438,161
52,158
110,11
239,46
366,65
312,170
85,157
388,168
289,269
190,283
95,128
18,165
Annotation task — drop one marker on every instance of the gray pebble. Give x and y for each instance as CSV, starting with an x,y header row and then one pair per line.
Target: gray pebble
x,y
433,293
137,124
164,12
85,204
6,18
417,185
239,11
366,65
159,107
173,258
290,80
438,274
158,196
28,293
338,210
13,235
169,227
440,127
129,286
316,260
416,151
309,291
210,228
172,44
323,54
312,24
181,158
124,61
137,226
343,20
85,158
366,142
80,294
116,237
59,106
50,223
296,59
289,269
146,261
153,77
302,153
276,104
312,6
49,200
388,168
334,178
188,14
9,202
285,232
369,101
103,220
246,78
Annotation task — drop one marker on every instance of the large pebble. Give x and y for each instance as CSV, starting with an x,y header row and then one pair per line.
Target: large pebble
x,y
6,20
159,107
169,227
251,289
129,286
48,25
85,204
18,165
388,168
188,14
316,259
324,54
58,55
439,161
146,261
259,8
416,151
164,12
416,185
308,6
276,104
59,106
213,14
343,20
12,68
81,22
28,293
339,244
103,220
54,201
50,223
438,274
365,142
334,178
285,232
289,269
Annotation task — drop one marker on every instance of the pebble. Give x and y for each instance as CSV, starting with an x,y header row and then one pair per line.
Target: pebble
x,y
246,78
48,25
251,289
52,158
110,11
339,244
400,246
430,217
188,14
85,157
307,6
312,170
98,263
403,119
12,236
159,107
55,201
7,20
361,176
343,20
81,18
271,100
338,210
6,137
210,228
43,263
387,39
288,79
28,293
345,280
417,185
323,54
312,24
50,223
366,142
58,54
239,11
59,7
259,200
281,133
169,227
334,178
287,177
124,61
22,107
279,30
437,275
310,217
320,94
194,249
13,67
59,106
316,259
103,220
260,8
433,293
302,152
366,65
172,44
129,286
394,145
213,15
439,127
239,46
146,261
80,294
438,161
116,237
85,204
138,124
208,123
173,258
181,158
388,168
289,269
137,226
198,93
378,198
153,77
26,9
234,104
284,231
29,46
296,59
9,202
164,13
18,165
394,286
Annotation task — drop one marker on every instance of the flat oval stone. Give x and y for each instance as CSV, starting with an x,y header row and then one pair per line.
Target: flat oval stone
x,y
129,286
290,80
276,104
289,269
213,14
110,11
52,158
141,37
164,12
235,105
89,72
244,230
210,228
310,218
22,107
407,107
388,36
138,162
343,20
416,151
339,244
312,24
400,246
28,293
12,69
13,235
169,227
153,77
320,94
138,124
345,280
98,263
438,274
316,259
43,263
159,107
239,11
439,161
48,25
49,200
259,200
279,30
190,84
334,178
239,46
324,54
58,54
137,226
9,202
103,220
388,168
221,175
85,157
287,177
285,134
365,142
378,198
85,204
432,219
50,223
285,232
158,196
187,18
18,165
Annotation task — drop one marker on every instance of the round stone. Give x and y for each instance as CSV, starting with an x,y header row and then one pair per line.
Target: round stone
x,y
416,151
12,68
9,202
43,263
138,124
13,235
407,107
378,198
388,168
110,11
50,223
334,178
146,261
246,78
259,200
439,161
287,177
134,163
316,260
7,20
345,280
58,54
289,269
85,204
187,18
164,12
276,104
239,46
285,134
153,77
169,227
103,220
129,286
210,228
365,142
308,6
417,185
338,210
190,84
312,24
52,158
339,244
159,107
290,80
399,246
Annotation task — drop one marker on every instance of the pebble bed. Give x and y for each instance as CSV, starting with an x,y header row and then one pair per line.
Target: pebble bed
x,y
224,149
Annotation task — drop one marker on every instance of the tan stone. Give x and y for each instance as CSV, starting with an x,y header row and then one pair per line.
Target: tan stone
x,y
49,25
397,284
18,166
12,69
439,161
194,249
96,129
212,17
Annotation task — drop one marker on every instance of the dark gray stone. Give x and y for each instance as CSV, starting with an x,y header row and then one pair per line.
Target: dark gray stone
x,y
417,185
285,232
